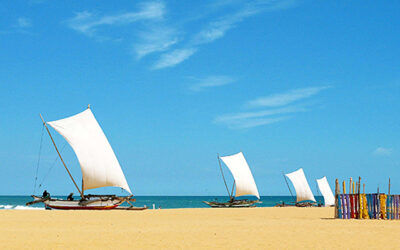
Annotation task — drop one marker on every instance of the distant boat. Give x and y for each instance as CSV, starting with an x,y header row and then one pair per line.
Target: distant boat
x,y
99,165
304,196
326,191
244,182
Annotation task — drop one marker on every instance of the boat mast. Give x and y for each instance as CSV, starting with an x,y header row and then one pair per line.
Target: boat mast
x,y
233,186
288,185
220,167
58,152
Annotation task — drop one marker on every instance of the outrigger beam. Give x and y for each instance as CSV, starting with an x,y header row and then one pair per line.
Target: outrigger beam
x,y
58,152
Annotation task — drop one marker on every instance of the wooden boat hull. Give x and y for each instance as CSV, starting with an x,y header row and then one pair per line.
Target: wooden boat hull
x,y
303,204
234,204
93,203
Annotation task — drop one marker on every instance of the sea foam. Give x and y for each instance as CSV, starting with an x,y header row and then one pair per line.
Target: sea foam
x,y
19,207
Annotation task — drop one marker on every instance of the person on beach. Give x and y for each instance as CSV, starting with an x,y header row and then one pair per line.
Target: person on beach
x,y
45,194
70,197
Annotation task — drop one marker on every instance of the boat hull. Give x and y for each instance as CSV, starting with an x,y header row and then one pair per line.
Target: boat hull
x,y
74,206
234,204
303,204
93,203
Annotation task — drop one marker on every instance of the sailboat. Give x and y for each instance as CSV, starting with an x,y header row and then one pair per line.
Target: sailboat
x,y
304,196
326,192
244,182
99,165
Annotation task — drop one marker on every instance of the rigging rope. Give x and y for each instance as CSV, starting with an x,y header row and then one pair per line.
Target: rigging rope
x,y
287,185
222,172
38,162
52,165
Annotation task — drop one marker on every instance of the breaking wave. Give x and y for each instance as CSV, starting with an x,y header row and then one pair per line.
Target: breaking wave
x,y
19,207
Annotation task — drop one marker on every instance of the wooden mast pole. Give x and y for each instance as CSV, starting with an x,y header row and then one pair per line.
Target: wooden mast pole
x,y
360,206
344,187
287,184
350,185
220,167
233,186
58,152
337,192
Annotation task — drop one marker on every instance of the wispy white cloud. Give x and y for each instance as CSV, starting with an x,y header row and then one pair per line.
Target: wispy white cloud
x,y
277,109
212,81
381,151
87,22
155,33
173,58
250,123
218,28
257,118
156,39
258,114
286,98
23,22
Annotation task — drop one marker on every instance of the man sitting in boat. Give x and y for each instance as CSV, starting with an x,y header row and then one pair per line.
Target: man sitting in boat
x,y
70,197
45,194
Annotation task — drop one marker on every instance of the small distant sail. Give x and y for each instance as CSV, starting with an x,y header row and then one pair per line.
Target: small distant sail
x,y
244,181
99,165
326,191
303,191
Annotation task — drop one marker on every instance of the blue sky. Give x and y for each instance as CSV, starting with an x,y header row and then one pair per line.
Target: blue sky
x,y
290,83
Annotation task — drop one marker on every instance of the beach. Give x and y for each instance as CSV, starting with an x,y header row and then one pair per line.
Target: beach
x,y
198,228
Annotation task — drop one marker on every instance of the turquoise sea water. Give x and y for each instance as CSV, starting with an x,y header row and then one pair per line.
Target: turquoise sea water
x,y
18,202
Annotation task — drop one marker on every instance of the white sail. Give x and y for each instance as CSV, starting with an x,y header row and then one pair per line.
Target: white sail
x,y
244,181
299,181
326,191
99,165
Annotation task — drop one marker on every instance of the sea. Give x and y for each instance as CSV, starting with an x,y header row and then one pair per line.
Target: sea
x,y
153,202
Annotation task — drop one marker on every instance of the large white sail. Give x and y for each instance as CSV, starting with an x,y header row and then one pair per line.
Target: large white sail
x,y
299,181
244,181
99,165
326,191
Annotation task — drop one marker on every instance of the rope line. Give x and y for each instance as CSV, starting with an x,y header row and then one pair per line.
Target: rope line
x,y
287,185
52,165
38,162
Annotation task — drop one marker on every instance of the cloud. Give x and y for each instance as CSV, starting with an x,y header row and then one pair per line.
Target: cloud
x,y
212,81
283,99
250,123
173,58
382,151
278,109
257,118
257,114
217,29
156,39
156,34
86,22
23,22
